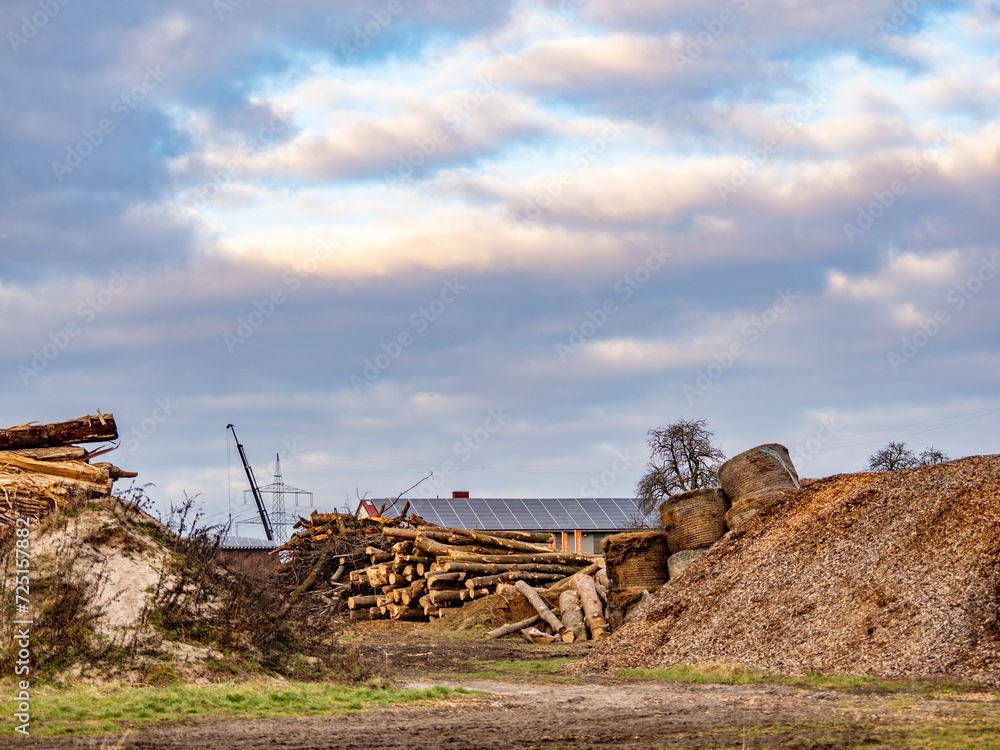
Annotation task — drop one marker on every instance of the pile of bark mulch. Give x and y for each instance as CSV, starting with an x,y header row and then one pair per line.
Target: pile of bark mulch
x,y
894,574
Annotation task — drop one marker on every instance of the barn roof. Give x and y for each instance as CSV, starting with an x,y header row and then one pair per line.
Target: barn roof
x,y
541,514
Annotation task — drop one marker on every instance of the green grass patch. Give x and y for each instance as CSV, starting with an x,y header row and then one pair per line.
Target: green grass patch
x,y
736,675
541,669
89,709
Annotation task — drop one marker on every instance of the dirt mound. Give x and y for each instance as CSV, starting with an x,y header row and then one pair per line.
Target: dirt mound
x,y
894,574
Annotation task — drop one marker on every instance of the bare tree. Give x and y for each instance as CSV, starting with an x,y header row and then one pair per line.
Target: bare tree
x,y
931,455
682,458
893,457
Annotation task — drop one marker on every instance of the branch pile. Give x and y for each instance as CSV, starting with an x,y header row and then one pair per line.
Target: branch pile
x,y
41,466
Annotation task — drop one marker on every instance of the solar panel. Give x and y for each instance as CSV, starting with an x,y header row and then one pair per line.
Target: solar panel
x,y
548,514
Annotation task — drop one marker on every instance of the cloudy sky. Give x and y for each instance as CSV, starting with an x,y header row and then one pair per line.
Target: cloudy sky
x,y
498,241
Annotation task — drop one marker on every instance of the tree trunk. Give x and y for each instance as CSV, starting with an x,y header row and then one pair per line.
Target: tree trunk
x,y
514,627
456,535
91,429
560,558
542,609
67,453
566,583
486,569
572,614
361,602
513,575
593,612
444,597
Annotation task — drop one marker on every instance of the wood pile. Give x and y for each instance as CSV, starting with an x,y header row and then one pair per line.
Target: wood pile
x,y
430,571
43,465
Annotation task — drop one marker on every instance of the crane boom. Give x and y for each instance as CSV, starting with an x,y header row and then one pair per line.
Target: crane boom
x,y
253,487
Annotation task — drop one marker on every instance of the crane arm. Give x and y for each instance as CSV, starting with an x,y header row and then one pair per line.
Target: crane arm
x,y
264,519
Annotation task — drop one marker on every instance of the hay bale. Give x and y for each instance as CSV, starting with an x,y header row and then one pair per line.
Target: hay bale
x,y
743,511
636,560
694,519
762,468
680,561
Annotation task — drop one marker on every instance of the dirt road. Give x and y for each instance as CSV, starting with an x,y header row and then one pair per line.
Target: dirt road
x,y
594,714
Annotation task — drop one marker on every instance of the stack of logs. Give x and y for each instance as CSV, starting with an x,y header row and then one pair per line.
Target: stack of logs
x,y
41,466
431,570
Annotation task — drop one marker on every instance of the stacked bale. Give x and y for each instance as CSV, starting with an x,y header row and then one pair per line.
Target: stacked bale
x,y
755,480
693,521
635,562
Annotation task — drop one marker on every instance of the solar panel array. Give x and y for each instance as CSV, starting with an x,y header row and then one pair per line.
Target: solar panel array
x,y
550,514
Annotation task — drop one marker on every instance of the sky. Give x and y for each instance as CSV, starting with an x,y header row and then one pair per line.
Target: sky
x,y
497,242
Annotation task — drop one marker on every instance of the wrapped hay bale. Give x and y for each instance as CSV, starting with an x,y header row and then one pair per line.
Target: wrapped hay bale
x,y
636,560
743,511
765,467
679,562
694,519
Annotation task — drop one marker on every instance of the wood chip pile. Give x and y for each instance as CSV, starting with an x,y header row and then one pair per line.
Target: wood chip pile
x,y
42,465
893,574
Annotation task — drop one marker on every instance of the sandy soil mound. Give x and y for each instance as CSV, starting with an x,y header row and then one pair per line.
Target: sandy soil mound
x,y
894,574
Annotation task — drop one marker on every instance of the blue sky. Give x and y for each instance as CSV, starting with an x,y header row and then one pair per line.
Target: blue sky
x,y
498,241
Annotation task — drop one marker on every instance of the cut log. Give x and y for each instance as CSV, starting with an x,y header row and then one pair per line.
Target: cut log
x,y
444,597
560,558
440,549
566,583
534,635
602,592
542,609
488,569
512,575
572,614
396,533
61,453
361,602
601,577
91,429
455,536
514,627
541,537
593,610
65,469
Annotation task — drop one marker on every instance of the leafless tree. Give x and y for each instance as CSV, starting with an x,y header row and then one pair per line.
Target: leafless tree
x,y
682,458
893,457
932,455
